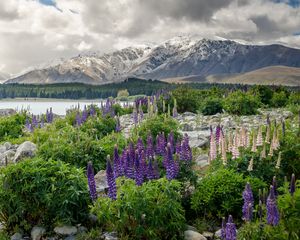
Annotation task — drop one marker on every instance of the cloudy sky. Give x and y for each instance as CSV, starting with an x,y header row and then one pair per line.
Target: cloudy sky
x,y
37,31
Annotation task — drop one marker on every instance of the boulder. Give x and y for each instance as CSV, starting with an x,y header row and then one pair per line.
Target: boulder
x,y
2,149
7,157
7,145
7,112
26,149
101,181
110,236
208,235
193,235
65,230
37,233
16,236
202,160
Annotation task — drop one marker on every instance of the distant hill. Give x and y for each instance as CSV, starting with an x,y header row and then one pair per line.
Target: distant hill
x,y
178,57
274,75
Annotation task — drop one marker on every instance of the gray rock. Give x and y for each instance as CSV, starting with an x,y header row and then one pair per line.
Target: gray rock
x,y
110,236
189,227
101,181
218,233
16,236
7,112
37,232
71,237
2,149
208,235
26,149
202,160
193,235
7,145
7,157
65,230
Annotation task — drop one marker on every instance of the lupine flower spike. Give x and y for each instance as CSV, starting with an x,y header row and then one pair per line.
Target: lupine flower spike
x,y
111,181
293,185
230,230
250,166
272,210
278,161
223,233
91,181
248,203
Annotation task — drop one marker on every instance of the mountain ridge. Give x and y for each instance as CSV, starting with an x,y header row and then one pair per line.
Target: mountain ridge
x,y
178,57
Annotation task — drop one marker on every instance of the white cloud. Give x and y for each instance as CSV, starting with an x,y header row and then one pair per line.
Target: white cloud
x,y
31,33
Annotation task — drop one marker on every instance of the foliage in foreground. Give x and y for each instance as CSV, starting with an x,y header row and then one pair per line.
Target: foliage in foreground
x,y
150,211
37,192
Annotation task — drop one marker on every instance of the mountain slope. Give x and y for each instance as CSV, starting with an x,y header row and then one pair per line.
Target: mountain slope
x,y
178,57
274,75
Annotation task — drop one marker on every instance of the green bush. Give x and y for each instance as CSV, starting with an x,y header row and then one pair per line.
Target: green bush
x,y
264,92
256,231
150,211
188,100
108,142
38,192
289,207
98,127
12,126
156,125
69,145
241,103
212,106
220,193
294,98
279,99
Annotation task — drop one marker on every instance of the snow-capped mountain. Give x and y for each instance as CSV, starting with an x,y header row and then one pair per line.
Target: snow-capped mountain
x,y
3,77
177,57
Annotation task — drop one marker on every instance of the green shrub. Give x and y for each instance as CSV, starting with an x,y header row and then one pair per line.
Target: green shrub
x,y
212,106
188,100
264,92
98,127
294,98
279,99
108,142
12,126
256,231
289,207
241,103
70,145
38,192
220,193
156,125
150,211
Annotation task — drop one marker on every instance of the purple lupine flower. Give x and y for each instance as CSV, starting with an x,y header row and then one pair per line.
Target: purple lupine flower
x,y
139,174
230,230
92,110
160,144
293,185
223,229
149,148
128,168
169,164
156,169
91,181
171,141
140,145
150,174
118,125
111,181
117,163
248,203
42,122
141,113
34,122
27,123
186,152
272,210
178,148
274,184
218,132
78,119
